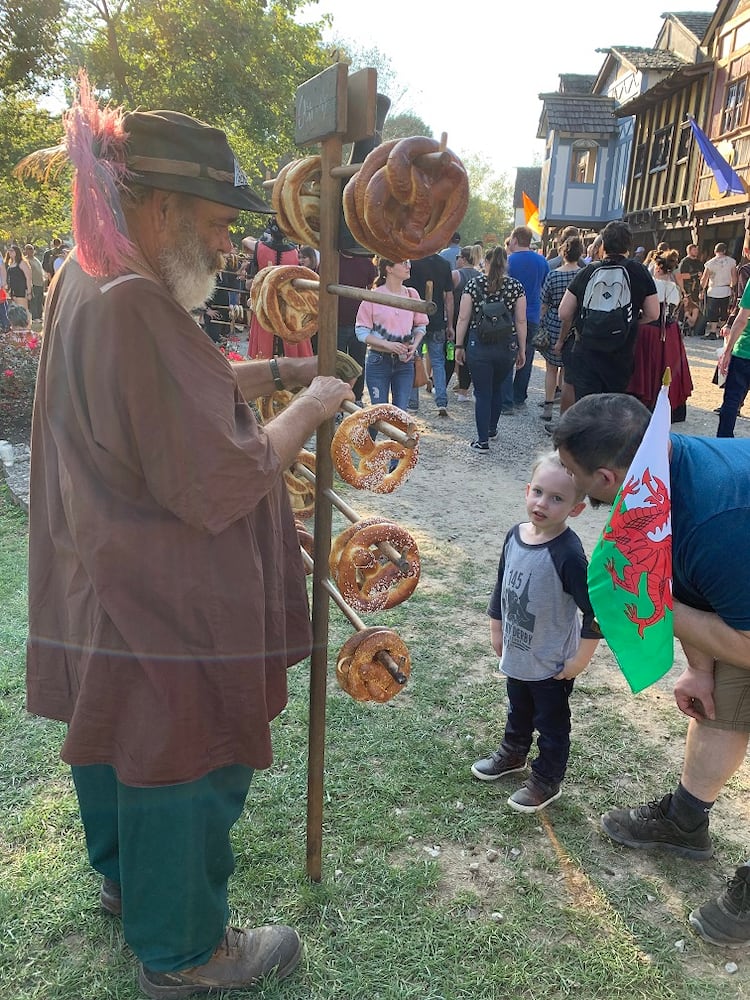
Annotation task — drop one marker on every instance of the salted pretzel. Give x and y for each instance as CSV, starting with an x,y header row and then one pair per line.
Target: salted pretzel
x,y
341,540
301,491
361,674
366,464
366,579
401,204
289,312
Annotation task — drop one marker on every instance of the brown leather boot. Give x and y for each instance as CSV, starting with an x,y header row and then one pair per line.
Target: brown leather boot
x,y
110,897
241,960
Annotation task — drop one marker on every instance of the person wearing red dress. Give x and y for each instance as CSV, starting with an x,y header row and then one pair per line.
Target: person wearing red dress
x,y
274,248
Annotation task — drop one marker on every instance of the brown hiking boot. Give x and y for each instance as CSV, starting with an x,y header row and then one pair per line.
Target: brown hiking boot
x,y
649,827
241,960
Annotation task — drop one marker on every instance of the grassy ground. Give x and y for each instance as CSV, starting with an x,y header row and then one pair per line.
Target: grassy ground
x,y
432,888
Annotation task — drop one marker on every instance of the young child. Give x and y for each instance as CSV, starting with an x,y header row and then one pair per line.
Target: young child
x,y
536,630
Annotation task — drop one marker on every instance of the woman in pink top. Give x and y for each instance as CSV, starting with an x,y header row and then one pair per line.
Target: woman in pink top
x,y
392,336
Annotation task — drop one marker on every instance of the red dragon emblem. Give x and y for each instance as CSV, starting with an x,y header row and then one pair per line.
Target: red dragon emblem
x,y
630,531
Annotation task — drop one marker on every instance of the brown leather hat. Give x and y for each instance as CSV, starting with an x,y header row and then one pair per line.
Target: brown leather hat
x,y
174,152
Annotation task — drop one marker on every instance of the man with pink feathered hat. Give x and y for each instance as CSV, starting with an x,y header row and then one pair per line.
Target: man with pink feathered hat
x,y
166,590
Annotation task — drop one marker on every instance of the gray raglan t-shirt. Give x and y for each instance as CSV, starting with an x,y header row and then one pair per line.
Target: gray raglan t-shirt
x,y
541,597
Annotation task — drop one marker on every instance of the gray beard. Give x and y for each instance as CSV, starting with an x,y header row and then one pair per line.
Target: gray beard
x,y
189,285
188,269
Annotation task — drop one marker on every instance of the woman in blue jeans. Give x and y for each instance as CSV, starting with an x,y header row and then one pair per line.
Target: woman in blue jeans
x,y
490,363
392,336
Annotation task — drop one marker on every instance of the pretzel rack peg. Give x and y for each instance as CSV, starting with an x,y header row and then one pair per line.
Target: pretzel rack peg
x,y
368,295
388,430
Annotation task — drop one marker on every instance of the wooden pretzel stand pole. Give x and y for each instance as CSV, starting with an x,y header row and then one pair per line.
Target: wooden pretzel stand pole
x,y
332,108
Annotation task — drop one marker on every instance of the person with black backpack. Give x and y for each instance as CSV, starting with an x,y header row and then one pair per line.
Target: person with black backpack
x,y
606,301
492,327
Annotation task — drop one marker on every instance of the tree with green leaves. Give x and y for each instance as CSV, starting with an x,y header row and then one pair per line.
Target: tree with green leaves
x,y
489,216
30,52
233,63
29,212
404,125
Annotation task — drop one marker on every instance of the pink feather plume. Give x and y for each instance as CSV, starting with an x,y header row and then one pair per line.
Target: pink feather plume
x,y
96,143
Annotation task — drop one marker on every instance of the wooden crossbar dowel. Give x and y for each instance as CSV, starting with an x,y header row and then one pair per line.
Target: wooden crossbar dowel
x,y
388,550
369,295
351,615
386,429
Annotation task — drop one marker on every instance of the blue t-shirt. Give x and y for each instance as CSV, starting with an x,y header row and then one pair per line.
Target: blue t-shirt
x,y
710,480
531,269
451,254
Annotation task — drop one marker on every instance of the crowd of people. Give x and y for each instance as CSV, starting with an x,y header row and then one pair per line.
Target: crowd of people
x,y
167,594
24,278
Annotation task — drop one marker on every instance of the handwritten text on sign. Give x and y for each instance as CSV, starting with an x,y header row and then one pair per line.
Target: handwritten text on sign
x,y
321,106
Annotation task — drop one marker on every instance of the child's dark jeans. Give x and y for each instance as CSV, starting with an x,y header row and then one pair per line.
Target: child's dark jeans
x,y
542,706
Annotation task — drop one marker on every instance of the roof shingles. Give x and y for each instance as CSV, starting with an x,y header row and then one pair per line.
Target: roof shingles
x,y
645,59
695,21
594,115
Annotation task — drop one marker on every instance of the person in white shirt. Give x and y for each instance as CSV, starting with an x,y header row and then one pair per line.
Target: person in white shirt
x,y
719,279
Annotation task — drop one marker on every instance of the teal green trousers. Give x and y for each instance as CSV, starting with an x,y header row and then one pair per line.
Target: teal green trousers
x,y
169,849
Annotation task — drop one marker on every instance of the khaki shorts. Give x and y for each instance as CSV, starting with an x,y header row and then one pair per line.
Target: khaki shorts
x,y
731,697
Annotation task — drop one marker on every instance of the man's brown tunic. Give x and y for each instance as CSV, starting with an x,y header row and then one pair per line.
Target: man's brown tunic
x,y
166,590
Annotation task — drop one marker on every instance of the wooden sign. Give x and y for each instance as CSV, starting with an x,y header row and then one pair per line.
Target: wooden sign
x,y
362,103
321,106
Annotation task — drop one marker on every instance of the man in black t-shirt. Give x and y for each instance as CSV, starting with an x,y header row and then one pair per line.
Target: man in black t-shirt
x,y
689,273
597,371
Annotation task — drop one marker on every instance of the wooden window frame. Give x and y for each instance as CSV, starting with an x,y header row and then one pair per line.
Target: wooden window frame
x,y
662,144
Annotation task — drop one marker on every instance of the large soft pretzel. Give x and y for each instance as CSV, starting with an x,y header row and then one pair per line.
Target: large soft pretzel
x,y
301,491
289,312
401,204
366,464
271,406
276,201
367,580
339,543
296,200
361,674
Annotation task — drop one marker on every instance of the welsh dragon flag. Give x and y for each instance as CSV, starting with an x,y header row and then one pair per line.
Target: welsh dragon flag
x,y
630,573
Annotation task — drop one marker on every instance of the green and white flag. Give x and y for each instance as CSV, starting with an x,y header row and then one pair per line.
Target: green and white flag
x,y
630,573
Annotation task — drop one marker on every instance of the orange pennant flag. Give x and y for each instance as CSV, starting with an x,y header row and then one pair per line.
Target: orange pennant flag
x,y
531,214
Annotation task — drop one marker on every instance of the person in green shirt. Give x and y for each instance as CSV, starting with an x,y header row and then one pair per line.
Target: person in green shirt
x,y
734,363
